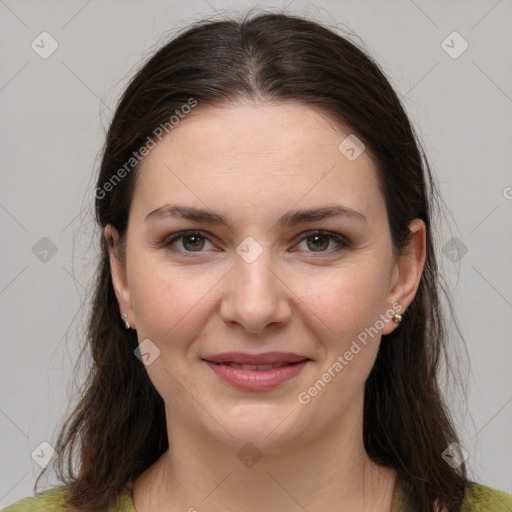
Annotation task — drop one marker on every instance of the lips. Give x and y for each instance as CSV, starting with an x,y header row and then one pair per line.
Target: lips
x,y
256,372
257,377
261,367
265,361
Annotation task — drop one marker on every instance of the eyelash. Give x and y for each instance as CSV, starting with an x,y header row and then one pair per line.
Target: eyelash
x,y
342,242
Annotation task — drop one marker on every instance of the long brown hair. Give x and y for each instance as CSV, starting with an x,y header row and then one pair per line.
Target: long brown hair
x,y
118,427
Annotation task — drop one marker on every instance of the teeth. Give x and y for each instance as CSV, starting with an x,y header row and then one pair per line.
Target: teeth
x,y
256,366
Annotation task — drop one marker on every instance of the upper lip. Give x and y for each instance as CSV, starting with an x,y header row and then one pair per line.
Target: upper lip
x,y
265,358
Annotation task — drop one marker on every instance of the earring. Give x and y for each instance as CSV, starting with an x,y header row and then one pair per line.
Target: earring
x,y
397,318
125,318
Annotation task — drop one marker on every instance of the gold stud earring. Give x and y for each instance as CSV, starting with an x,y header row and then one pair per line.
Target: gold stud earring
x,y
397,318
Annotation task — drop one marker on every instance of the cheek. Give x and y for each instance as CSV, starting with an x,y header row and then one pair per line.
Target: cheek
x,y
170,306
343,309
167,301
344,301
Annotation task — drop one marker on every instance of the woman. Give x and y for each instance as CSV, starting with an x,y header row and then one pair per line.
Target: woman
x,y
266,327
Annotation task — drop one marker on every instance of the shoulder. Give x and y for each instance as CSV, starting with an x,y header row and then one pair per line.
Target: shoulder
x,y
52,500
480,498
56,500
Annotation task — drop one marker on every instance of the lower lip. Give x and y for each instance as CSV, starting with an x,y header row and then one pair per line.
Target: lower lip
x,y
256,380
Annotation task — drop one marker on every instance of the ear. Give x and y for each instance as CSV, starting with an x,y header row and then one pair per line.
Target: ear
x,y
118,273
407,272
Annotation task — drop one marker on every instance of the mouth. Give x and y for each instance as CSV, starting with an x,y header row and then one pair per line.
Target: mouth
x,y
264,359
257,372
252,367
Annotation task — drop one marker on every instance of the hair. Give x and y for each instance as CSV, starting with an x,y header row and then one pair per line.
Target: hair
x,y
118,427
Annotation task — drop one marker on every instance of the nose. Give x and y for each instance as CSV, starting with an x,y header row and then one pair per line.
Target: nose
x,y
255,296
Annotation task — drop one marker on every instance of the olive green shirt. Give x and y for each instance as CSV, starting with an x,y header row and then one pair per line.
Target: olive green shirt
x,y
479,498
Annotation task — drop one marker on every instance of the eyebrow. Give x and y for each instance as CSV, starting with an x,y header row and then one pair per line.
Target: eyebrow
x,y
289,219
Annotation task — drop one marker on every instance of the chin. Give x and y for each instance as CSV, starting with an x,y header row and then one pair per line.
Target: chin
x,y
270,432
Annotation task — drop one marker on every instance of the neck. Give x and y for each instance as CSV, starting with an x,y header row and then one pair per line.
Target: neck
x,y
329,472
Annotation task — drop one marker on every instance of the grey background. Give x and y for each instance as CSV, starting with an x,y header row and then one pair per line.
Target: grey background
x,y
54,113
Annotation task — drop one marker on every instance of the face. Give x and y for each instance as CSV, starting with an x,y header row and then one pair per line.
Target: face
x,y
321,287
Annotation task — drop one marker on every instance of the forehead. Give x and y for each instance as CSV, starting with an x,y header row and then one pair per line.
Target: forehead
x,y
252,156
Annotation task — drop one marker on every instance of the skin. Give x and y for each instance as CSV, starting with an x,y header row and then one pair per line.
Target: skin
x,y
253,163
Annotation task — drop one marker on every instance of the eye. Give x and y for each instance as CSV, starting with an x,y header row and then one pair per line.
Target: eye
x,y
191,241
194,241
321,239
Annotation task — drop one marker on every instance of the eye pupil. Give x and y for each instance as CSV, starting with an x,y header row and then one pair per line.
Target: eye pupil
x,y
199,242
316,238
